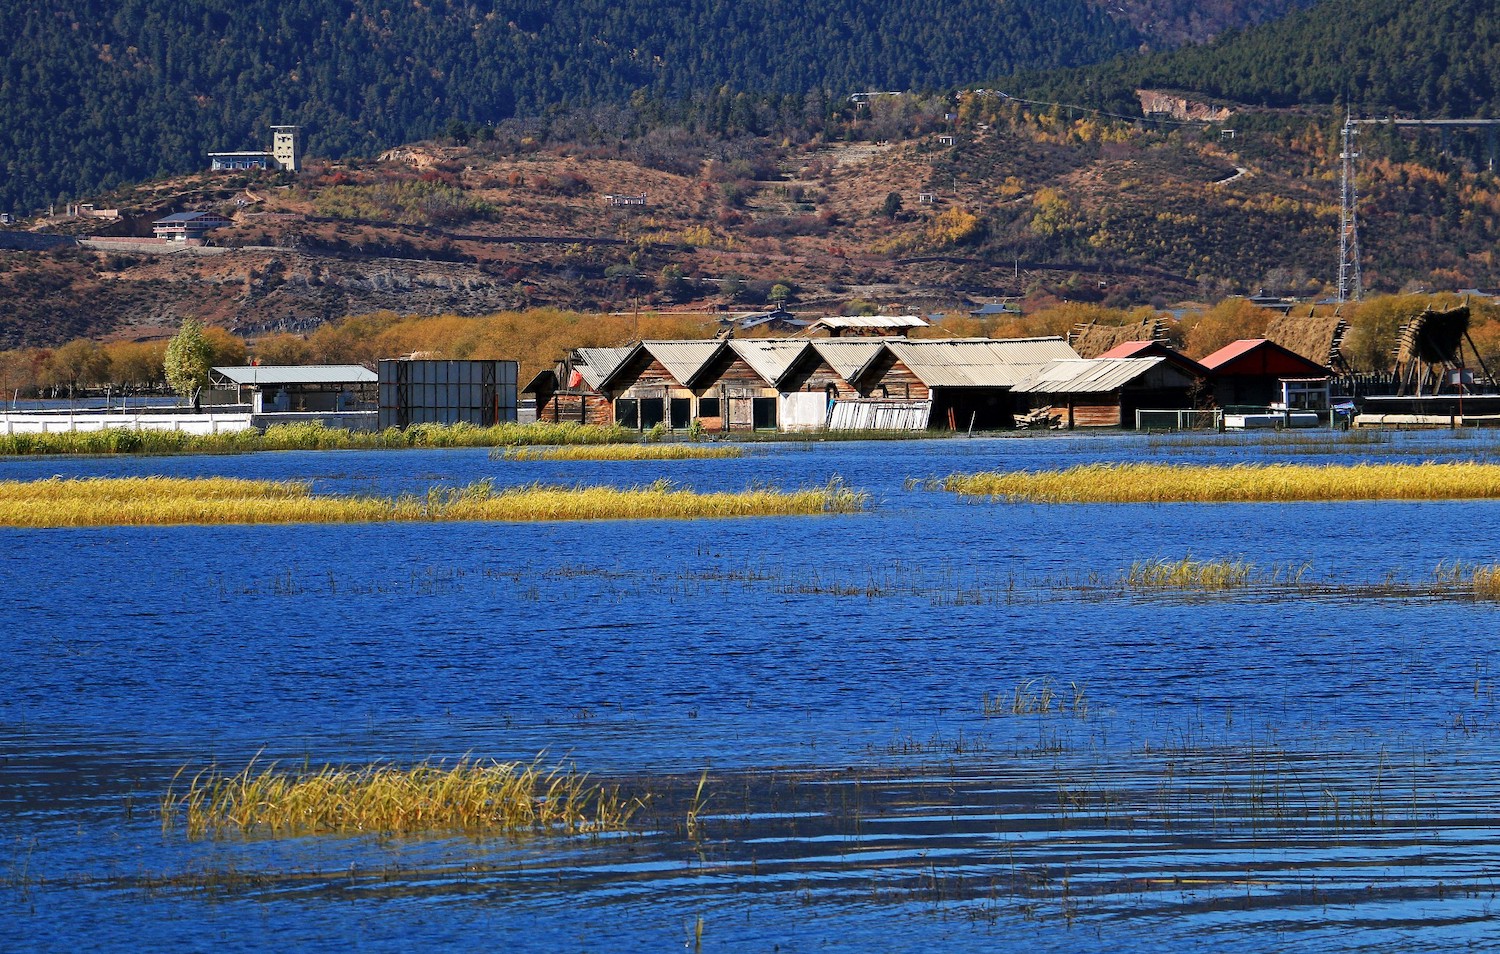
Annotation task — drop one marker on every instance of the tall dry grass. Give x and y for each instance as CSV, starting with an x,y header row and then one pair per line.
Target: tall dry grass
x,y
505,797
1169,483
158,501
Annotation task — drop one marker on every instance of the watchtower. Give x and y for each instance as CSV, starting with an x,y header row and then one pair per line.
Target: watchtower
x,y
286,147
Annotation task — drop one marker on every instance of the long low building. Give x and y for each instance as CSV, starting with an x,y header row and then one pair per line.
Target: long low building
x,y
1106,392
792,383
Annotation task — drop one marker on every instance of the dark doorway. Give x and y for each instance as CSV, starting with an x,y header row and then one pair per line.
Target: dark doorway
x,y
763,414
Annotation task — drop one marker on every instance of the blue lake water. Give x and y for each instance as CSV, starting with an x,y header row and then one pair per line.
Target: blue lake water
x,y
1285,767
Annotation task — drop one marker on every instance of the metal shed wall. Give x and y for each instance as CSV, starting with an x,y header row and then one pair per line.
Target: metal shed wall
x,y
482,393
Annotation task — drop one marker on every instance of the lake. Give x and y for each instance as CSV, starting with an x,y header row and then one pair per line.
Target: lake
x,y
942,723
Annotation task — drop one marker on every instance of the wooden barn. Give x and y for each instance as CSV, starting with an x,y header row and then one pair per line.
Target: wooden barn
x,y
659,383
573,390
1250,372
1106,392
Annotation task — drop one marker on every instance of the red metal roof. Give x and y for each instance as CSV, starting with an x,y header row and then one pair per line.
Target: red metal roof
x,y
1260,356
1155,349
1128,349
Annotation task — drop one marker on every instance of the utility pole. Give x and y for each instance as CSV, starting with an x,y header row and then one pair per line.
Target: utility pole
x,y
1350,288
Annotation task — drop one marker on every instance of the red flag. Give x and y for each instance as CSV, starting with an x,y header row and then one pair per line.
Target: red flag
x,y
575,379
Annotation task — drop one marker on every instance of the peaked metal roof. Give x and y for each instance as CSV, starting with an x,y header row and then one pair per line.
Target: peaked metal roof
x,y
1086,375
597,364
769,357
978,362
298,374
848,356
1238,349
683,359
1149,349
866,322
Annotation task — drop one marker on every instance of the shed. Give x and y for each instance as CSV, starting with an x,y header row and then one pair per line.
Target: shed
x,y
968,380
1106,392
1157,349
1249,372
572,390
434,391
322,387
658,382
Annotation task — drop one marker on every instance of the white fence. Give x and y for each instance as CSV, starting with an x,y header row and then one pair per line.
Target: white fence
x,y
206,422
39,422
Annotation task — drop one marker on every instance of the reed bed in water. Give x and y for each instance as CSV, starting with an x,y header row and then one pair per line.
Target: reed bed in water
x,y
310,436
160,501
1168,483
505,797
612,452
1188,573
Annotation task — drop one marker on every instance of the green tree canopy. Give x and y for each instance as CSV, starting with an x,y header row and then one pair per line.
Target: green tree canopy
x,y
188,358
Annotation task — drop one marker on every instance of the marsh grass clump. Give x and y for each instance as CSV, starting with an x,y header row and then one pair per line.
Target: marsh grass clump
x,y
612,452
477,796
1241,483
1482,581
157,501
1188,573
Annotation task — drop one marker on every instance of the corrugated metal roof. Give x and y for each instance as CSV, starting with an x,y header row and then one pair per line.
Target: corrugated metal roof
x,y
597,364
1086,375
298,374
1232,350
978,362
873,321
847,356
683,359
769,357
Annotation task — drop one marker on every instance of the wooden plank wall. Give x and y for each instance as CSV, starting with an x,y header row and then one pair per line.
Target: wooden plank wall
x,y
817,377
888,377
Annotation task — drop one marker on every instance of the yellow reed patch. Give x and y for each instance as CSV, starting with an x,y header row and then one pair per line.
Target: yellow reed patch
x,y
506,797
1242,483
159,501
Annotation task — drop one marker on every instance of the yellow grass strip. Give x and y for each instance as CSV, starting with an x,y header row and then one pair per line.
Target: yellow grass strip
x,y
162,502
501,797
608,452
660,500
1168,483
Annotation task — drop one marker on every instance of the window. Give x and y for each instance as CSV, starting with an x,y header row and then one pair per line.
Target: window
x,y
628,412
708,407
682,413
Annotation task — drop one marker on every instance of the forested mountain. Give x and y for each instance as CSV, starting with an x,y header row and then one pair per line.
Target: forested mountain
x,y
1435,59
97,92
